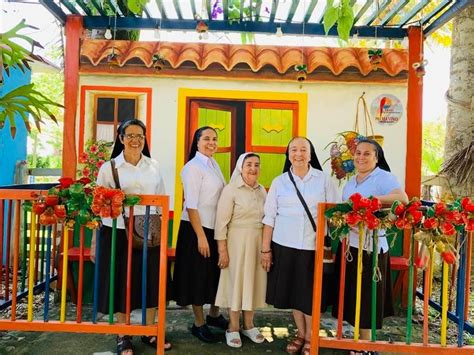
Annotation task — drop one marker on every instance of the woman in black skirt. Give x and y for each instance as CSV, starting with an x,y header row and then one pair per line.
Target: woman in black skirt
x,y
289,239
373,178
138,174
196,271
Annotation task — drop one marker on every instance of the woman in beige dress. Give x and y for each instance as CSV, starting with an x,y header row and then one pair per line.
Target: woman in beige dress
x,y
238,231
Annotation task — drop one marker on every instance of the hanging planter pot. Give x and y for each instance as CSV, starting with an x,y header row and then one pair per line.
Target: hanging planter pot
x,y
375,57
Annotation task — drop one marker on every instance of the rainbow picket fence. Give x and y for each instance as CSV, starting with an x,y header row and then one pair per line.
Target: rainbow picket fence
x,y
34,248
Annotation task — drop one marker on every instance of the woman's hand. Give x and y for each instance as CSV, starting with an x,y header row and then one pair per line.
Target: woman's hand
x,y
223,258
203,247
266,261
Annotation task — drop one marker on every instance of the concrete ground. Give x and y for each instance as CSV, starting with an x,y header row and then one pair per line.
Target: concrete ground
x,y
276,325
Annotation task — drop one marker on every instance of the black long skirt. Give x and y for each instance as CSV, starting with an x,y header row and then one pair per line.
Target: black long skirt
x,y
384,289
195,277
290,280
120,289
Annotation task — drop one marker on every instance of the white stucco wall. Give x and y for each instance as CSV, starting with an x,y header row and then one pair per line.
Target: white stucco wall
x,y
331,109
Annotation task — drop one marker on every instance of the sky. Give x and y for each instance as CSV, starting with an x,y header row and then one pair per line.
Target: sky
x,y
436,80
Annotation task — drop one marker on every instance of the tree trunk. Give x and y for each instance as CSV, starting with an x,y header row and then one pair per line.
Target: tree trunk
x,y
460,95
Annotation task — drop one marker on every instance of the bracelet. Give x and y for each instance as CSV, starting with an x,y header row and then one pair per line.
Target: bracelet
x,y
265,252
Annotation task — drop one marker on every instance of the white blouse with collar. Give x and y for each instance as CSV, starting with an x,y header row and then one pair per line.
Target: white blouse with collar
x,y
142,179
285,213
202,184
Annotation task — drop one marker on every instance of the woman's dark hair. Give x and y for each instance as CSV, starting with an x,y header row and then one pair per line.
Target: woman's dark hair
x,y
379,154
314,162
194,144
118,145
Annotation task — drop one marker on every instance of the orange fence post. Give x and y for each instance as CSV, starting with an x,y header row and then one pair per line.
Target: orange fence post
x,y
318,278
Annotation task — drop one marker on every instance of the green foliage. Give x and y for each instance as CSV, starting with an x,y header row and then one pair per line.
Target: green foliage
x,y
433,147
136,6
24,100
342,15
15,55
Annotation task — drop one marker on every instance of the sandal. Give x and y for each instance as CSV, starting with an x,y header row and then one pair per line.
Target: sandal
x,y
254,335
295,346
306,348
124,344
151,341
233,339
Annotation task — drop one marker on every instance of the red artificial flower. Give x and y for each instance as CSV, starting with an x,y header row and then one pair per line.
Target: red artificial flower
x,y
364,203
39,207
449,257
467,205
415,216
51,200
355,198
101,155
60,211
399,208
47,219
86,172
94,148
65,182
371,221
84,180
440,208
430,223
447,228
375,204
353,218
105,211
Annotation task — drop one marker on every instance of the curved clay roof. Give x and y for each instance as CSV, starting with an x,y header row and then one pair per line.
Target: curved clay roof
x,y
203,55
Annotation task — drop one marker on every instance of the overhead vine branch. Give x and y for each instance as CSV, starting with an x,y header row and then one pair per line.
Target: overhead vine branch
x,y
340,13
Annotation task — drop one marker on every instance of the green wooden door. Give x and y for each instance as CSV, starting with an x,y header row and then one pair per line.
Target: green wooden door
x,y
270,126
222,119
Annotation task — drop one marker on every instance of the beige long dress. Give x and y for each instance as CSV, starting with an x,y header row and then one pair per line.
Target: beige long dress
x,y
242,285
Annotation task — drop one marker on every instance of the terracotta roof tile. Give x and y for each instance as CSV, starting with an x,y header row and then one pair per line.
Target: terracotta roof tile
x,y
203,55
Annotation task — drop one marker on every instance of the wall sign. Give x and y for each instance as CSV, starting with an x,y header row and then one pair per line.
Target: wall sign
x,y
386,108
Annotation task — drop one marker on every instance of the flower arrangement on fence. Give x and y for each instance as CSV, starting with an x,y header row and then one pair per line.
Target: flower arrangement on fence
x,y
77,201
436,226
356,211
95,154
342,154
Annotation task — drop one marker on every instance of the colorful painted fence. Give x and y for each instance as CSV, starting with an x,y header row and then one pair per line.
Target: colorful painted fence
x,y
35,248
461,288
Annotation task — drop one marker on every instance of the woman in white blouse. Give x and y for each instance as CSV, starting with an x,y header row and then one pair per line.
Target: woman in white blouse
x,y
288,249
138,174
196,273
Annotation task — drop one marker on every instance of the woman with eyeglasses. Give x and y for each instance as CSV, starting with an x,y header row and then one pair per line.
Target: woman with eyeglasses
x,y
196,270
138,173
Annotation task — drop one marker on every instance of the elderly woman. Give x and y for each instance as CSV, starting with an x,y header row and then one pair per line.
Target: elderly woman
x,y
373,178
289,238
196,274
238,233
138,174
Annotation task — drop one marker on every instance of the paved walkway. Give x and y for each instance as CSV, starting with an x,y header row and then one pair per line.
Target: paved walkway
x,y
276,326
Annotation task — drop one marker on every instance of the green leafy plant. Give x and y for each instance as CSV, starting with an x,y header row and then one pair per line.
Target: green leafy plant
x,y
24,100
341,14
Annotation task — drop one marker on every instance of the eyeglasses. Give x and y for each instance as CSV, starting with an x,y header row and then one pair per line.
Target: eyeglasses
x,y
140,137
